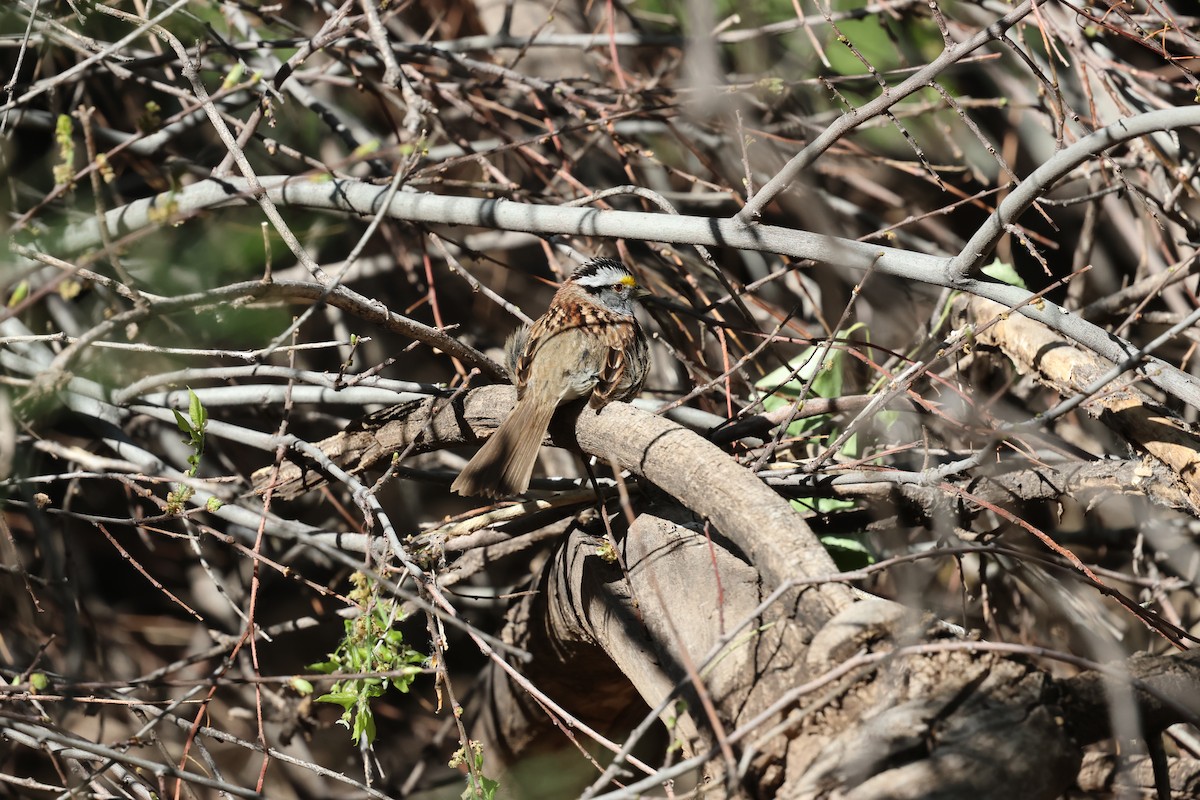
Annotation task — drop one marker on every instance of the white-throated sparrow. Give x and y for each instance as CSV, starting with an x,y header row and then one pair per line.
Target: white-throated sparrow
x,y
587,344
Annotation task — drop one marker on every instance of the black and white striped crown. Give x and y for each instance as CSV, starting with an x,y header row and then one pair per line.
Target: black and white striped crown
x,y
603,272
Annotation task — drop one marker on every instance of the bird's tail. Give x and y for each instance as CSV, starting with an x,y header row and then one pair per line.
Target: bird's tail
x,y
504,465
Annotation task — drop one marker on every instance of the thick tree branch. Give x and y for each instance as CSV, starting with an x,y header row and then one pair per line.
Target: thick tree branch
x,y
769,531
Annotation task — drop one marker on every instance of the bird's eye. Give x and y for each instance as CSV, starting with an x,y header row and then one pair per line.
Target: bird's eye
x,y
617,287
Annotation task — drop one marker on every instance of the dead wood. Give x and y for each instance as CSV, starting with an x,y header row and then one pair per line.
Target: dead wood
x,y
943,724
1135,416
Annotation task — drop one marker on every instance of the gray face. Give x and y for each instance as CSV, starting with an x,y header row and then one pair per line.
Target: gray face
x,y
610,283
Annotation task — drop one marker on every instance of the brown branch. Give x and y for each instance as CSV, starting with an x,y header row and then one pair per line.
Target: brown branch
x,y
703,478
1127,410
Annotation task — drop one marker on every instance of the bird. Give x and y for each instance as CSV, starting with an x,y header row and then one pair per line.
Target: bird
x,y
587,344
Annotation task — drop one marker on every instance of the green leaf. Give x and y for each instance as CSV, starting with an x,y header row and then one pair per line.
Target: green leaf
x,y
781,381
234,76
821,505
405,680
323,666
364,726
1005,273
486,790
197,411
346,700
827,376
18,294
848,552
485,787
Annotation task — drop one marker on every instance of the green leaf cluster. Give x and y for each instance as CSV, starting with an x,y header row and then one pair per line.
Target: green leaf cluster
x,y
825,377
372,645
479,787
193,427
823,370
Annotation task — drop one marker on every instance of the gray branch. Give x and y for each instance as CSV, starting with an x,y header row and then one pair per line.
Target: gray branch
x,y
363,198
